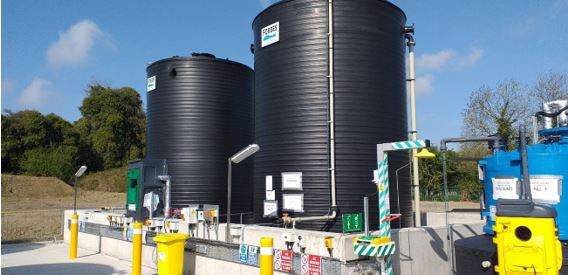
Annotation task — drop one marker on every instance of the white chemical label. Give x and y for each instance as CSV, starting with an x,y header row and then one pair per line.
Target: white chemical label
x,y
131,207
270,195
293,202
270,34
162,256
151,83
271,208
269,183
546,189
505,188
492,212
292,181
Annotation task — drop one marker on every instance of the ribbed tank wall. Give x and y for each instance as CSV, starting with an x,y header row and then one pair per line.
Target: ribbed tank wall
x,y
199,114
291,94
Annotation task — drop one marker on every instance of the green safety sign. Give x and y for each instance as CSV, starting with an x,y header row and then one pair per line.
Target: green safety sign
x,y
352,222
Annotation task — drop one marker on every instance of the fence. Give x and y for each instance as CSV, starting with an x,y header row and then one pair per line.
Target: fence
x,y
32,225
454,194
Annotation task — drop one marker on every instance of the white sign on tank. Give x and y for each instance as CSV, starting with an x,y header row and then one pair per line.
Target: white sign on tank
x,y
270,34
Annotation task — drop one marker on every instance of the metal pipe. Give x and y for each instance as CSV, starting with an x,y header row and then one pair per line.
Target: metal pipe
x,y
447,210
526,186
535,130
331,104
331,122
366,214
398,194
229,183
412,81
443,149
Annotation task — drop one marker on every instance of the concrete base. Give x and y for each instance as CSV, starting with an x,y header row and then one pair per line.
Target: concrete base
x,y
420,251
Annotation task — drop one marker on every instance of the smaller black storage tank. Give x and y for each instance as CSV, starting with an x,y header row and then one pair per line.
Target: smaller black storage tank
x,y
199,113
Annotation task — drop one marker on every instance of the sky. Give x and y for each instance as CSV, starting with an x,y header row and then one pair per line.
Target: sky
x,y
52,50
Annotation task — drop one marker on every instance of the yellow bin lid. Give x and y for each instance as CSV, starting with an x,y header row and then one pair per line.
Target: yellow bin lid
x,y
170,237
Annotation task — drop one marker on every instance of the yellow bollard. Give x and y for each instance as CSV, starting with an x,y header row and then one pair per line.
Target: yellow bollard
x,y
74,236
266,257
137,248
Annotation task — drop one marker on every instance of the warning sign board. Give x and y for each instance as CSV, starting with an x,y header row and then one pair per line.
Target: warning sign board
x,y
314,265
283,260
252,257
310,264
243,249
277,259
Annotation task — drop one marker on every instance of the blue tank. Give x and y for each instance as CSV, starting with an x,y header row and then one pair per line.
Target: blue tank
x,y
548,170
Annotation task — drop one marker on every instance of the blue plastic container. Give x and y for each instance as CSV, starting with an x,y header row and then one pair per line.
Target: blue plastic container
x,y
548,169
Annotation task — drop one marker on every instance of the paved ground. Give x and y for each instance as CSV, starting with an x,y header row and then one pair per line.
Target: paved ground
x,y
52,259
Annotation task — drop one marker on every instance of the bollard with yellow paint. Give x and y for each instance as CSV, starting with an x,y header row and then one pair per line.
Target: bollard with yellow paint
x,y
266,256
74,236
137,248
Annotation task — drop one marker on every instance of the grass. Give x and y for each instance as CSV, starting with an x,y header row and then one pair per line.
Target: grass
x,y
112,180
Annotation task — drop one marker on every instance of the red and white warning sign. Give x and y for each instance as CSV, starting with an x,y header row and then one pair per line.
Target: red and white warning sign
x,y
277,259
315,265
304,267
283,260
287,258
310,264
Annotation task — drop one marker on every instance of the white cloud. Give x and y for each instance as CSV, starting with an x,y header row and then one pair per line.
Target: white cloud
x,y
74,45
448,58
36,94
265,3
424,84
435,60
472,58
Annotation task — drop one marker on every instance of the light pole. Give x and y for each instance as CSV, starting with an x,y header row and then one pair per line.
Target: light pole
x,y
78,174
74,230
236,158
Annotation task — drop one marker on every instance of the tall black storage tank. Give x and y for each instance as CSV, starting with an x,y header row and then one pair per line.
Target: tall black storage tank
x,y
291,97
199,113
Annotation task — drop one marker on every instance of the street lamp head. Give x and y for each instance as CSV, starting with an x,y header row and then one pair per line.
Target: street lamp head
x,y
245,153
81,171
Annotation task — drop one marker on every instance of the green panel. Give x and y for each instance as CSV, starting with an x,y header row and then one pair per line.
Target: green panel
x,y
352,222
132,195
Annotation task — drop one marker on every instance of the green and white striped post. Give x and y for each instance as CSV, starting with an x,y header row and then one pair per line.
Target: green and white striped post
x,y
381,178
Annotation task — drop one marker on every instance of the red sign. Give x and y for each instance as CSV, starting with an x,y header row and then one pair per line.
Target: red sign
x,y
314,264
287,258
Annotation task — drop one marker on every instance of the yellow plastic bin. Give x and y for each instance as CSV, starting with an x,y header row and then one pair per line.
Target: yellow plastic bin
x,y
170,253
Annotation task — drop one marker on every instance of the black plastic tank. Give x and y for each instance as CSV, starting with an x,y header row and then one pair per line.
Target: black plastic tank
x,y
199,113
291,96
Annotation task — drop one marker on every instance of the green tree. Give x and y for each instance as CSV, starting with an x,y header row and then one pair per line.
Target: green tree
x,y
60,161
22,131
113,125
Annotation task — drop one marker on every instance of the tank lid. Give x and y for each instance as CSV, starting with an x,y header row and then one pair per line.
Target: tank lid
x,y
203,55
285,1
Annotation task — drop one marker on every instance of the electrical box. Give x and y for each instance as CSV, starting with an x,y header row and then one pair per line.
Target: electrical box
x,y
190,213
141,181
211,212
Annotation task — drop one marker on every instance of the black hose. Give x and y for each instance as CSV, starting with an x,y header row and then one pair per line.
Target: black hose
x,y
551,115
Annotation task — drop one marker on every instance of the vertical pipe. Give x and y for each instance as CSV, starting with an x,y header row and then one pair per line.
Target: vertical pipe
x,y
75,196
526,189
449,251
535,130
366,214
331,104
415,176
137,248
266,256
74,235
167,199
229,183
